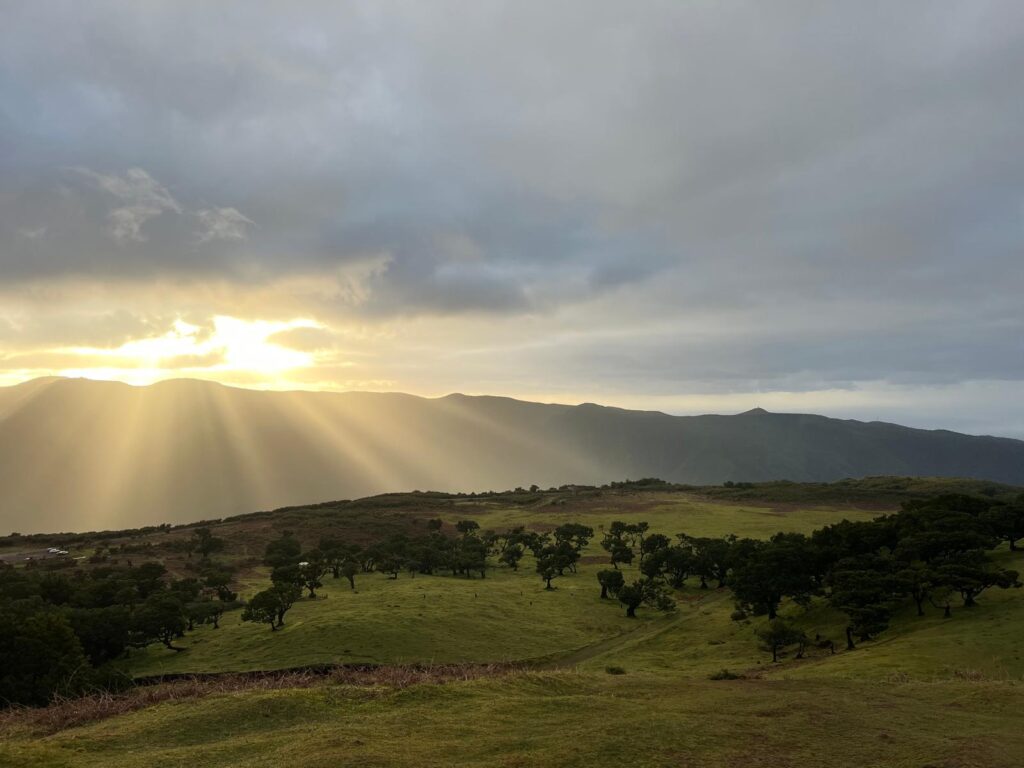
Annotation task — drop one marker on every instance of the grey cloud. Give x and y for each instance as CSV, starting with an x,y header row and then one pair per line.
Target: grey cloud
x,y
141,196
223,224
32,234
80,328
687,365
84,222
648,164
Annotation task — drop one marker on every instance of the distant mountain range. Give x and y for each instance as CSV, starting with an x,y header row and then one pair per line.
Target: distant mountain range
x,y
85,455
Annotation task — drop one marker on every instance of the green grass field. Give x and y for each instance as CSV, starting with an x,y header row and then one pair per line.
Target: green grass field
x,y
422,619
937,692
562,719
668,513
505,617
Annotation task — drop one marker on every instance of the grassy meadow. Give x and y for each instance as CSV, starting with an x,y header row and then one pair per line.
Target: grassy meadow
x,y
596,688
508,616
562,719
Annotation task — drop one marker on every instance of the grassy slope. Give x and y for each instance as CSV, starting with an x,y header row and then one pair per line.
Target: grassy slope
x,y
430,619
700,638
562,719
445,619
928,692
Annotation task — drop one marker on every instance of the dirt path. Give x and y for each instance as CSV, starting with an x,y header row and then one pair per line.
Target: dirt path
x,y
635,636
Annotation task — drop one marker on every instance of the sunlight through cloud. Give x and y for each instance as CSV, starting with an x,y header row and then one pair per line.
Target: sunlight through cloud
x,y
232,347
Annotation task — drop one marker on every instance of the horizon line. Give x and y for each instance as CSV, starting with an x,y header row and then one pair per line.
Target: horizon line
x,y
756,410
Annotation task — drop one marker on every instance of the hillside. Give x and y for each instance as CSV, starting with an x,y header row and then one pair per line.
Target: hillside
x,y
79,454
587,686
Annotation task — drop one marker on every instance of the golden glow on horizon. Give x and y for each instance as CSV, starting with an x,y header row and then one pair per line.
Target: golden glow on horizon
x,y
231,348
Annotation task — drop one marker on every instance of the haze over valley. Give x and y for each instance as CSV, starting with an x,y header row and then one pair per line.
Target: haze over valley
x,y
89,455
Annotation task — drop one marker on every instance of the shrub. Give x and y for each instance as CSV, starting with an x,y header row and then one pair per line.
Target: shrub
x,y
725,674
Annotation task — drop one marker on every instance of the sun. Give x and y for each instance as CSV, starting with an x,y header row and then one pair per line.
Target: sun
x,y
229,349
246,346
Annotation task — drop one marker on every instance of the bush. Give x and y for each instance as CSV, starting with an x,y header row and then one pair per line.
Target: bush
x,y
40,657
725,674
615,670
738,615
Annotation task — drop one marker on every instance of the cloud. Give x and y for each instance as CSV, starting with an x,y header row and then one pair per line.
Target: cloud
x,y
126,223
679,197
143,196
222,224
136,187
306,339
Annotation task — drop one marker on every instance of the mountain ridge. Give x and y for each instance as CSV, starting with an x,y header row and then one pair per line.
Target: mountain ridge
x,y
756,411
77,453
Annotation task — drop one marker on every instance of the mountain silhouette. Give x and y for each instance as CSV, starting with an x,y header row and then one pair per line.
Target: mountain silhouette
x,y
77,454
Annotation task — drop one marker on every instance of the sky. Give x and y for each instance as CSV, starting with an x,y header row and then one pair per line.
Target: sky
x,y
680,206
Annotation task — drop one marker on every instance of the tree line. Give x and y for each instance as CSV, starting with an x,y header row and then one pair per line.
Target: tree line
x,y
931,553
62,625
465,552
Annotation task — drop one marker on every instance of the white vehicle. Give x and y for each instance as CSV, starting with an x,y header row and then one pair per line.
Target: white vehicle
x,y
53,551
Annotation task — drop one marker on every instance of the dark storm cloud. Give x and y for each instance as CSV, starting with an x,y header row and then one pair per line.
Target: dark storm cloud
x,y
650,162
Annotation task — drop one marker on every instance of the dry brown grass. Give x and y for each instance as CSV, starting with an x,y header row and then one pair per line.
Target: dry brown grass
x,y
64,713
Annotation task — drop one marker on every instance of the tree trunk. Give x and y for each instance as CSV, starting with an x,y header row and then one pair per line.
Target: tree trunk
x,y
703,583
772,612
604,592
775,654
920,604
548,583
849,639
631,611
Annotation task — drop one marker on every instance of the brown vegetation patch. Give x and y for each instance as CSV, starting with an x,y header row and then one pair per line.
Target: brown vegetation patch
x,y
64,713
